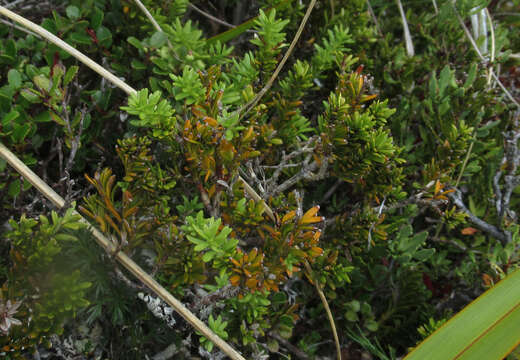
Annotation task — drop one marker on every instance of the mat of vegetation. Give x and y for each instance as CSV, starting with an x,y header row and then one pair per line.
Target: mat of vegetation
x,y
374,183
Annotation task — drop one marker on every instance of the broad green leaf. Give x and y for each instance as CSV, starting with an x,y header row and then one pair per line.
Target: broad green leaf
x,y
472,74
42,82
104,36
14,188
31,95
14,78
80,38
44,116
72,12
488,328
96,18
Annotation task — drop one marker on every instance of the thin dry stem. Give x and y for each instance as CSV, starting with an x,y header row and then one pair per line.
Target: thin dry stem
x,y
327,309
492,33
78,55
407,36
154,23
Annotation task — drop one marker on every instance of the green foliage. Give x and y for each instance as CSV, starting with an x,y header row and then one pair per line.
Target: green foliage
x,y
207,237
378,143
47,286
218,326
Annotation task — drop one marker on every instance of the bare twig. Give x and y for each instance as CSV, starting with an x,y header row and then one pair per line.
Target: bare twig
x,y
293,349
155,24
503,236
510,162
331,191
435,7
8,23
492,34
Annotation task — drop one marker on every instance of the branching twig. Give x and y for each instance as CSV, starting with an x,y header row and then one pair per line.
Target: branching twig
x,y
374,18
293,349
511,162
503,236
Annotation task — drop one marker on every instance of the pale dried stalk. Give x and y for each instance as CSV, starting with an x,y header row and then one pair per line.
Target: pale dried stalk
x,y
327,310
78,55
152,20
407,36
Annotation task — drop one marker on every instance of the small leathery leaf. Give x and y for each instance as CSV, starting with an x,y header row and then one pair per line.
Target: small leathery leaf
x,y
468,231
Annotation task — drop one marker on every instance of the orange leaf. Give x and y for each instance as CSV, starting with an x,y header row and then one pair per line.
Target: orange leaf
x,y
438,187
468,231
251,283
316,251
488,280
235,280
210,121
288,216
236,263
309,218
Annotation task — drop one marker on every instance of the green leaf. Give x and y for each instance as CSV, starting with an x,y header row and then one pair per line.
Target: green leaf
x,y
136,43
20,132
136,64
80,38
158,39
44,116
14,78
42,82
238,30
72,12
96,18
9,117
488,328
31,95
104,36
69,75
472,74
14,188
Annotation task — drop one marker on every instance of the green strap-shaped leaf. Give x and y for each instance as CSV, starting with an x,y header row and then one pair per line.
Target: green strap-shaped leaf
x,y
488,328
